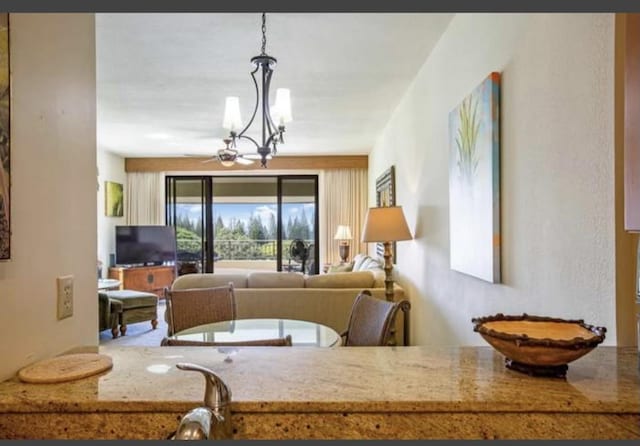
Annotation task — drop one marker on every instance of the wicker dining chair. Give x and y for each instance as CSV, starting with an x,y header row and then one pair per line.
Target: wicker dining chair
x,y
275,342
192,307
371,320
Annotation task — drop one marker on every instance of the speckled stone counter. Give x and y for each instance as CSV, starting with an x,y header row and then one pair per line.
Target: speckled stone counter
x,y
358,392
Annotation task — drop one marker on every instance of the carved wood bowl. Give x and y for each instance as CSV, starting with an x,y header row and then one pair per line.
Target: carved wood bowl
x,y
538,345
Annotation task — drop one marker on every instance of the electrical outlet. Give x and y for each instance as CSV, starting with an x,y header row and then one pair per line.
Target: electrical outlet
x,y
65,296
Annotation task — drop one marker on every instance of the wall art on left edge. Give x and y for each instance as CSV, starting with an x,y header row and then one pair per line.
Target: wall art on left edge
x,y
114,199
5,166
474,182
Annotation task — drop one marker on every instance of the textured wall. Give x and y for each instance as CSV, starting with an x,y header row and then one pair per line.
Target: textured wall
x,y
53,167
557,172
111,168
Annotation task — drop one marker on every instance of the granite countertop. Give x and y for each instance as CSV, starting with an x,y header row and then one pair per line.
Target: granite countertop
x,y
357,379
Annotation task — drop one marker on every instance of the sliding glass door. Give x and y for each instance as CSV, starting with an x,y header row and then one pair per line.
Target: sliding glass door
x,y
186,211
245,223
298,203
239,223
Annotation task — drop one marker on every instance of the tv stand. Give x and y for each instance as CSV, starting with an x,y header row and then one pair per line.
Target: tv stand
x,y
152,279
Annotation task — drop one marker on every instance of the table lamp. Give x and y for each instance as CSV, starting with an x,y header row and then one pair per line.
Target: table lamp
x,y
343,234
386,225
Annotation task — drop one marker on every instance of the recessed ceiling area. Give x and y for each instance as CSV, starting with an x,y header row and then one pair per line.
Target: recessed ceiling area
x,y
162,79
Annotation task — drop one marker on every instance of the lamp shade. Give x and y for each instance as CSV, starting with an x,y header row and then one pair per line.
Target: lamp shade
x,y
281,110
385,224
343,233
232,120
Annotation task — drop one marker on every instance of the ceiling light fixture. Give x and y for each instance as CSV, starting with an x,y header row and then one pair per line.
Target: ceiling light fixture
x,y
272,125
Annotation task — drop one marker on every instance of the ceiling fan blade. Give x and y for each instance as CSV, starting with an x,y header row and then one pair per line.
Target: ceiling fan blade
x,y
243,161
210,159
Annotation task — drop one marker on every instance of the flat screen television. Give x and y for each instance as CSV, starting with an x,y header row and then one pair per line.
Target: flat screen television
x,y
147,245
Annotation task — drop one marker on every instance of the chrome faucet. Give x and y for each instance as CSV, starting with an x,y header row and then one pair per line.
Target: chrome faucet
x,y
212,422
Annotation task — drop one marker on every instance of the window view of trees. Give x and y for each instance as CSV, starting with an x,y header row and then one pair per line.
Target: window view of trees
x,y
242,231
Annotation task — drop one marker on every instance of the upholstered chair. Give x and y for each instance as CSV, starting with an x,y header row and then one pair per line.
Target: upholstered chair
x,y
198,306
371,320
109,311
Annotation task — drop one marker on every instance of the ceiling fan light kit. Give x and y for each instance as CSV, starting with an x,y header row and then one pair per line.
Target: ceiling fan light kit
x,y
228,156
273,118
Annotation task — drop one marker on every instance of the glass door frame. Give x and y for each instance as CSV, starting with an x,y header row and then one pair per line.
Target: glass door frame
x,y
207,253
316,218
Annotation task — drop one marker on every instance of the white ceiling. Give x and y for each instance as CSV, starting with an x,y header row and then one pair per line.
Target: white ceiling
x,y
162,78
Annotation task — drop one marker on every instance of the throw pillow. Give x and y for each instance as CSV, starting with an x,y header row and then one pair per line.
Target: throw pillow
x,y
357,261
370,263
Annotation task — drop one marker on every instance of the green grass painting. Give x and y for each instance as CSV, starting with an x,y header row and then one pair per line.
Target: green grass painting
x,y
466,138
114,199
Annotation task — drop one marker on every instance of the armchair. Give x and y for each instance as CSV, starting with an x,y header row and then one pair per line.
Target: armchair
x,y
109,311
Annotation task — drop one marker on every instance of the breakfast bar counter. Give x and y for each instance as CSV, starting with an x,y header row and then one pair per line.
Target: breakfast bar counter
x,y
348,392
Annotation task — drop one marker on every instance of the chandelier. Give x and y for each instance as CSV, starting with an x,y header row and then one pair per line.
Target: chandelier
x,y
273,117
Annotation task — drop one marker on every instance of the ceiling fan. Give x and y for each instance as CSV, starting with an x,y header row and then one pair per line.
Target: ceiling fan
x,y
228,156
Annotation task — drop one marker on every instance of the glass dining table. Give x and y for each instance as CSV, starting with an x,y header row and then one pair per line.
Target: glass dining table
x,y
303,333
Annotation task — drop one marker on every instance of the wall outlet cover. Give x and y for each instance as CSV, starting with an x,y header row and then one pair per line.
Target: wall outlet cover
x,y
65,296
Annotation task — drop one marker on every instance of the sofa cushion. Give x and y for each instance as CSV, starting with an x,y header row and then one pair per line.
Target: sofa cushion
x,y
209,281
359,279
378,277
275,280
341,268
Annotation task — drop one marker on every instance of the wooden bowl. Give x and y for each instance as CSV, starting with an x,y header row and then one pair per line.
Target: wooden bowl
x,y
538,345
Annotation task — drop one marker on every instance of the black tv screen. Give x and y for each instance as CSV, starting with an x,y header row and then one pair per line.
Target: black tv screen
x,y
145,245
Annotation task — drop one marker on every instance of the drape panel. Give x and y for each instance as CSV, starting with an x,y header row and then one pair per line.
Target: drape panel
x,y
345,203
145,198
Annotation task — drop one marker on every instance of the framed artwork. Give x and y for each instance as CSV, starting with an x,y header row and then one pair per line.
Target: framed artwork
x,y
474,182
114,199
5,165
385,196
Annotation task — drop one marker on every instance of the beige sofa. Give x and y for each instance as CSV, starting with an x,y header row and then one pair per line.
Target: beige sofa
x,y
325,298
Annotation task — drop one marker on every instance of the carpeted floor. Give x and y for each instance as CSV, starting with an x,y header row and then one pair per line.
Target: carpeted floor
x,y
140,334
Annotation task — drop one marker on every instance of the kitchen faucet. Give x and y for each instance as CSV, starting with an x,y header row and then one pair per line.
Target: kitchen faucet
x,y
213,421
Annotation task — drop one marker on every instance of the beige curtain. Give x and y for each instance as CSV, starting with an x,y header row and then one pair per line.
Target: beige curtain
x,y
346,203
145,198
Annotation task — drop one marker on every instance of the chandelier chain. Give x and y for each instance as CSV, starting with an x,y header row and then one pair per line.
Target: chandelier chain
x,y
264,33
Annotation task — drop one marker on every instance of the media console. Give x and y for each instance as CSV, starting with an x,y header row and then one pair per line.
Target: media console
x,y
152,279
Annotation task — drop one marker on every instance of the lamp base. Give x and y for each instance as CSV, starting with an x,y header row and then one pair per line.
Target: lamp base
x,y
388,267
344,253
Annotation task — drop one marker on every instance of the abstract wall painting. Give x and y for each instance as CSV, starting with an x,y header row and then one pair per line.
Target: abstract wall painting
x,y
114,199
474,182
5,166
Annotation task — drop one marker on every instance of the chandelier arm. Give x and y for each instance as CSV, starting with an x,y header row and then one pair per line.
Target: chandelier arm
x,y
267,107
250,139
255,109
272,139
